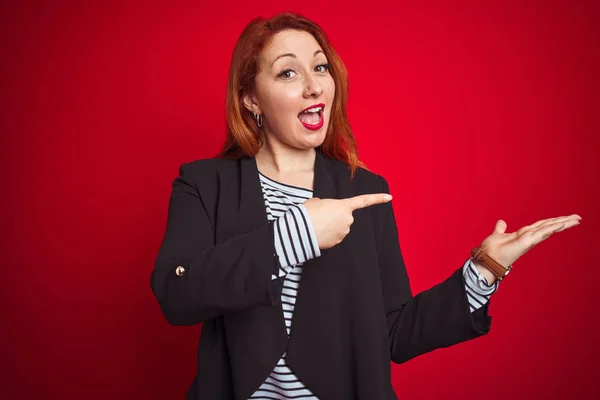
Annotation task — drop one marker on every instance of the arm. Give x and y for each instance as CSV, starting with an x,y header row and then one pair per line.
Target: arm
x,y
226,277
435,318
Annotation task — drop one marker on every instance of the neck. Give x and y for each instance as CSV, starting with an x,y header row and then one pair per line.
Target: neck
x,y
287,160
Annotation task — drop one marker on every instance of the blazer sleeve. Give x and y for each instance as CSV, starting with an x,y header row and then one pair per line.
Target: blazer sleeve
x,y
434,318
217,279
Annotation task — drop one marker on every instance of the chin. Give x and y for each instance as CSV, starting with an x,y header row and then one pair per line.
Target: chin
x,y
317,140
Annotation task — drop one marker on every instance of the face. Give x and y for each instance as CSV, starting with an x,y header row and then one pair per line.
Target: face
x,y
294,77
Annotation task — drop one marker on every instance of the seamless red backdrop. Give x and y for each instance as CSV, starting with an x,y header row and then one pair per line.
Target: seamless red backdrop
x,y
473,111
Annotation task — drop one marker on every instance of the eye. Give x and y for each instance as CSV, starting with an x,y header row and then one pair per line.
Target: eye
x,y
326,67
285,74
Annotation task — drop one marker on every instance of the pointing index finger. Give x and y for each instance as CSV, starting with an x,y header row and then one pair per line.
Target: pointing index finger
x,y
366,200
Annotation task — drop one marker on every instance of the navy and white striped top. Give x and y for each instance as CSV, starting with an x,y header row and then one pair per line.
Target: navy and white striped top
x,y
296,243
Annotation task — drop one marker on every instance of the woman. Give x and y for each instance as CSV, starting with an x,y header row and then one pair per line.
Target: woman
x,y
285,246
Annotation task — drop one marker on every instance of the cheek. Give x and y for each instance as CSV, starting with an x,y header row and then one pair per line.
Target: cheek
x,y
329,89
283,101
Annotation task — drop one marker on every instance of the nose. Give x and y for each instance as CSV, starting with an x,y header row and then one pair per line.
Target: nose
x,y
312,87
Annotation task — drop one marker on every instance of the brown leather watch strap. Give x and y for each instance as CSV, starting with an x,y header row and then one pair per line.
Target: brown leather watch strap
x,y
494,266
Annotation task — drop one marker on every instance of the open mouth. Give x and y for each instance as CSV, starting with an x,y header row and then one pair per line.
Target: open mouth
x,y
312,117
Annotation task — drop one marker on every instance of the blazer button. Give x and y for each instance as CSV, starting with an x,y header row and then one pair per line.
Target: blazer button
x,y
179,271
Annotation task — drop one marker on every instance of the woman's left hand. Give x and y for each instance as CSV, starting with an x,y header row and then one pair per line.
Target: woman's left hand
x,y
506,248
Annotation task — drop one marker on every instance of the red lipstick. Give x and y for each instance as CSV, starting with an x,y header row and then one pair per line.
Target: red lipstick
x,y
313,106
318,125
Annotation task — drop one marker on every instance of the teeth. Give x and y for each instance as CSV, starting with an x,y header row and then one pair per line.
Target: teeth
x,y
313,110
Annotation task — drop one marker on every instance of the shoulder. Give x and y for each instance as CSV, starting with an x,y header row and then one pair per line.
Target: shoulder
x,y
206,166
207,170
364,180
204,176
374,181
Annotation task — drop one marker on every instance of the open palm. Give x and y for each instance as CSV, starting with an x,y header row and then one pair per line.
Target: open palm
x,y
506,248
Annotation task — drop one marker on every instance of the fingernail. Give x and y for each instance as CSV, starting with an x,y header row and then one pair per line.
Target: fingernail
x,y
387,197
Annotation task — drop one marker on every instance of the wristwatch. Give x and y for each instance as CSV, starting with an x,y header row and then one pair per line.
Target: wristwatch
x,y
494,266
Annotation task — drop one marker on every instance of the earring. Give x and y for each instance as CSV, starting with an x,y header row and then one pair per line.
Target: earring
x,y
258,118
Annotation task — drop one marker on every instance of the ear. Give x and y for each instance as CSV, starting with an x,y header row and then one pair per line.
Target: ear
x,y
250,103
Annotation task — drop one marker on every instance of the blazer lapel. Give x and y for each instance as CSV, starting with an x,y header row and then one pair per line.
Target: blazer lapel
x,y
252,212
324,186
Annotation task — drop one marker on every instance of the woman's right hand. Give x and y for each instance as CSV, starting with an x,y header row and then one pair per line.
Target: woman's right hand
x,y
332,218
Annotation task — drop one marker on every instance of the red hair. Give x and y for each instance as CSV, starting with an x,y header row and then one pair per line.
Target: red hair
x,y
243,136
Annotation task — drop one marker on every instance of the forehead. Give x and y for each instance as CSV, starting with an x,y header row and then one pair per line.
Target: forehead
x,y
300,43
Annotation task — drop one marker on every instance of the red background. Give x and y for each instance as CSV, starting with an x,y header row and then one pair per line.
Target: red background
x,y
473,112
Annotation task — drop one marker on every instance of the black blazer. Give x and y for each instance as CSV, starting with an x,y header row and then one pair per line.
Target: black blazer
x,y
354,311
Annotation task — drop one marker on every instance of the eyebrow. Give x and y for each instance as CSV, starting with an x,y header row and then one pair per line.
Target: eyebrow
x,y
293,55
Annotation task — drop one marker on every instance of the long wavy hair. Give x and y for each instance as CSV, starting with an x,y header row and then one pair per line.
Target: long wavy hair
x,y
243,136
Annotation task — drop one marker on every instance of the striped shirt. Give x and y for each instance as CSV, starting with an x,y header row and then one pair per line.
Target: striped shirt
x,y
296,243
